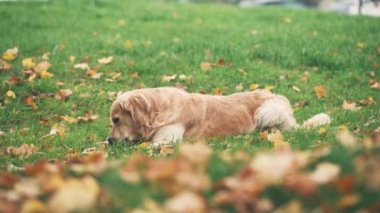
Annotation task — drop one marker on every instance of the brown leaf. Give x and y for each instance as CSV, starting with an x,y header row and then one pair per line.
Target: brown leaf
x,y
63,94
4,66
320,91
367,101
23,151
351,106
13,80
205,66
30,102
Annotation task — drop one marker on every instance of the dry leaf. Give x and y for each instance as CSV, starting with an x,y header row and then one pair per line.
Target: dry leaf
x,y
239,87
218,91
13,80
82,66
295,88
105,60
30,102
33,205
205,66
57,129
4,66
93,74
45,74
168,78
350,106
166,150
75,195
367,101
10,54
63,94
186,202
325,173
346,138
68,119
42,66
253,86
317,120
320,91
23,151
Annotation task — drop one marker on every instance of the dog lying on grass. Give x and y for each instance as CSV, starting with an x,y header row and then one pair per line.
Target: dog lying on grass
x,y
165,115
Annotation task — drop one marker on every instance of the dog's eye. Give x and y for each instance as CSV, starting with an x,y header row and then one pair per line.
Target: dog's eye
x,y
115,120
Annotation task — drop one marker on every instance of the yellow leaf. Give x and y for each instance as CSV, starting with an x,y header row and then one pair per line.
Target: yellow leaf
x,y
322,131
144,145
218,91
360,45
128,44
68,119
320,91
33,205
45,74
253,86
28,63
10,54
72,59
11,94
32,77
269,87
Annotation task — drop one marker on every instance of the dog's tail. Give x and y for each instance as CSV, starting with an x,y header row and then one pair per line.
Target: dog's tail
x,y
317,120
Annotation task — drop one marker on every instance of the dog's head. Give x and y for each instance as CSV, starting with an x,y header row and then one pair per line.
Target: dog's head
x,y
130,118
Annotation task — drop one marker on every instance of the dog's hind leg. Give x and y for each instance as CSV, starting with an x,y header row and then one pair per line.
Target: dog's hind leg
x,y
168,134
275,112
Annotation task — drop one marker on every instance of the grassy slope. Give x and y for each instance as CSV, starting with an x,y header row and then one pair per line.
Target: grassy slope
x,y
325,45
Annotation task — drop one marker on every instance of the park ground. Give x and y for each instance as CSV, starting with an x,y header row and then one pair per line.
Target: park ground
x,y
64,62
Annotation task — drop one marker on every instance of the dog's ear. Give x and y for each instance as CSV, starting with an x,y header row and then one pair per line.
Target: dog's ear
x,y
139,107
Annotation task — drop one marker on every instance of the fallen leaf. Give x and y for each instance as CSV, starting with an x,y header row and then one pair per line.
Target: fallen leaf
x,y
239,87
325,173
45,74
68,119
42,66
75,195
346,138
186,202
33,205
253,86
13,80
93,74
89,116
63,94
205,66
105,60
295,88
269,87
10,54
218,91
30,102
320,91
72,59
28,63
11,94
23,151
168,78
351,106
58,129
82,66
360,45
166,150
367,101
375,85
4,66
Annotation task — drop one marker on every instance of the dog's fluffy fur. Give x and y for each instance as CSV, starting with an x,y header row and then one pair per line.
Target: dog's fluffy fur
x,y
164,115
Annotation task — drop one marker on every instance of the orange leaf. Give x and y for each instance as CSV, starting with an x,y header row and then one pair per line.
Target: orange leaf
x,y
320,91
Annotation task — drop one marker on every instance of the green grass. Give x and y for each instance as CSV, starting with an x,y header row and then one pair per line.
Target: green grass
x,y
337,51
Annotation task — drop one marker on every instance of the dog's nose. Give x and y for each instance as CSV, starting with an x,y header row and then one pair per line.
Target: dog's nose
x,y
110,140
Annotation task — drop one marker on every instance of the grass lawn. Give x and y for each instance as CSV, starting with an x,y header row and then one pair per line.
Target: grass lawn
x,y
205,48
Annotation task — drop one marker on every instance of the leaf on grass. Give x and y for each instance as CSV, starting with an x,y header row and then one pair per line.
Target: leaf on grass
x,y
239,87
68,119
320,91
63,94
28,63
325,173
11,94
82,66
40,67
93,74
57,129
168,78
186,202
30,102
367,101
351,106
295,88
205,66
10,54
166,150
75,195
346,138
88,116
23,151
13,80
33,205
45,74
218,91
4,66
105,60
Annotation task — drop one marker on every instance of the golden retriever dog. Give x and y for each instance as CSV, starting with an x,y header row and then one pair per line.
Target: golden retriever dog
x,y
165,115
